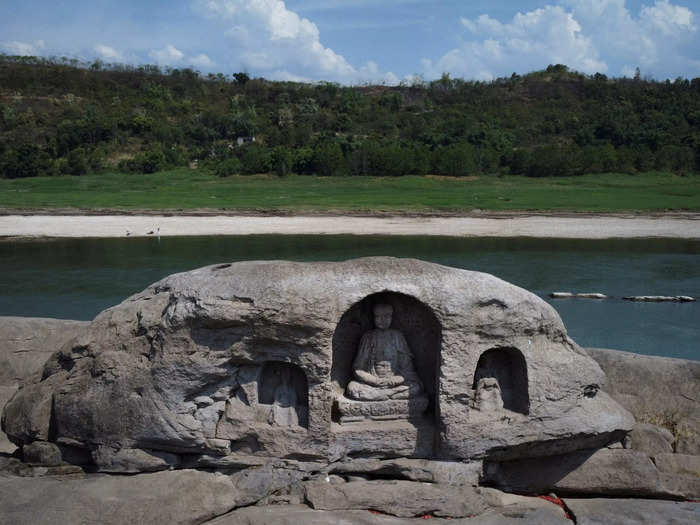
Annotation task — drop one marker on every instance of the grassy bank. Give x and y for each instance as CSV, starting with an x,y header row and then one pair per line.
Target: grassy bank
x,y
190,189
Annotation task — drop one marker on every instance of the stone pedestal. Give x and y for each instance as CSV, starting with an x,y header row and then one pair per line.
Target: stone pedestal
x,y
352,410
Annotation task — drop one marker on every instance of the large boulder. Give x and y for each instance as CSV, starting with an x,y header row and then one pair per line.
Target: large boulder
x,y
255,359
604,472
25,345
659,391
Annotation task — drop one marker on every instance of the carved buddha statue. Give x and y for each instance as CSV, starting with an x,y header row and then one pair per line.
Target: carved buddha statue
x,y
383,368
384,382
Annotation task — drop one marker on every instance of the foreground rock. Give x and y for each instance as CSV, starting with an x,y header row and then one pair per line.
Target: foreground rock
x,y
633,512
188,497
658,391
25,345
297,514
180,497
375,357
611,472
398,498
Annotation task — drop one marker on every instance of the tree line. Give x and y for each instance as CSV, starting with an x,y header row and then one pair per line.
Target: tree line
x,y
63,117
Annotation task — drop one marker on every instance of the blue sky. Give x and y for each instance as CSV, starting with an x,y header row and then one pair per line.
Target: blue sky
x,y
356,41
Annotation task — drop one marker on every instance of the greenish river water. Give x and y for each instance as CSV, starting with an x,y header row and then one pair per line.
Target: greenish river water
x,y
76,279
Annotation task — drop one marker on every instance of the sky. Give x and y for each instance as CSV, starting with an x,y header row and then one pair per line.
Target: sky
x,y
360,41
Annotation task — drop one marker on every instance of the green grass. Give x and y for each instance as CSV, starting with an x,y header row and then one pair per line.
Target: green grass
x,y
190,189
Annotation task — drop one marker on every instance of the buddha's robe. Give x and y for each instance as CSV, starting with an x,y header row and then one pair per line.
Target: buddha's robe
x,y
383,368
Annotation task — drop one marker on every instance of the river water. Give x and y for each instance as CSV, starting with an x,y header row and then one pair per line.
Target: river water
x,y
77,278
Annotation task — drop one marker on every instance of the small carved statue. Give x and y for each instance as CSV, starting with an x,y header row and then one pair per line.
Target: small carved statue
x,y
284,407
487,397
383,368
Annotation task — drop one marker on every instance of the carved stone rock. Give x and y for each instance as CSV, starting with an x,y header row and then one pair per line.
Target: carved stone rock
x,y
251,358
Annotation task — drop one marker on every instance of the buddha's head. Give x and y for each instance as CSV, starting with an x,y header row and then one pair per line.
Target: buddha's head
x,y
382,315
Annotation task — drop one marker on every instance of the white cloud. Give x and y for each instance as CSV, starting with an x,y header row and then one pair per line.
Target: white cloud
x,y
201,60
22,48
529,41
108,53
278,43
661,39
667,18
587,35
168,55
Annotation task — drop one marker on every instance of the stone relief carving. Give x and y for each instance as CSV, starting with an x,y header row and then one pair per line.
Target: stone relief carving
x,y
384,382
488,395
500,382
283,388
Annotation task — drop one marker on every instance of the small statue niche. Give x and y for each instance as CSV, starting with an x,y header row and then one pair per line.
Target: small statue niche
x,y
500,382
382,380
283,387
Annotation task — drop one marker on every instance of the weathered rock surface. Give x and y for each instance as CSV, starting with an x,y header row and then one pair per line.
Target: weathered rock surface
x,y
446,472
633,512
688,435
603,472
248,359
398,498
11,466
651,439
298,514
661,391
130,461
25,345
42,453
182,497
678,464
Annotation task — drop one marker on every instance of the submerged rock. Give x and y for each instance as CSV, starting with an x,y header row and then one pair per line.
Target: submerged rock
x,y
660,298
257,359
584,295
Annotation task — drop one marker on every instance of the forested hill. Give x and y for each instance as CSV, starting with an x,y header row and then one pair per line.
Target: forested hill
x,y
62,117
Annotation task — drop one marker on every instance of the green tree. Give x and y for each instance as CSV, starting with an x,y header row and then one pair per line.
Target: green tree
x,y
255,159
328,159
282,160
456,160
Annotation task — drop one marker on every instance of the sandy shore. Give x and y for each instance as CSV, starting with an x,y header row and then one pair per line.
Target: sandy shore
x,y
573,227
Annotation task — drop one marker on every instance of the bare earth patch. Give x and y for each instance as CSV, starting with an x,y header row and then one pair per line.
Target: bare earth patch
x,y
106,223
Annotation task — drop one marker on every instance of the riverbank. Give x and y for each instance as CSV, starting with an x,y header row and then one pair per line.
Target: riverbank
x,y
497,224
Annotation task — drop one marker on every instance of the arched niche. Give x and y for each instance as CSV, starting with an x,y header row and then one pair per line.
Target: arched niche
x,y
508,367
415,320
284,387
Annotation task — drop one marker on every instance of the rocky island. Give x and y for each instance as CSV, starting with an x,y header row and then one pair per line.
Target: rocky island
x,y
376,390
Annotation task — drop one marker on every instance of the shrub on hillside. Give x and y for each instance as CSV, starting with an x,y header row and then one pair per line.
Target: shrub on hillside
x,y
227,167
255,159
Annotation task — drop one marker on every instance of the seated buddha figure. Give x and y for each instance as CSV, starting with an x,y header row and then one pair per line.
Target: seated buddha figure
x,y
383,367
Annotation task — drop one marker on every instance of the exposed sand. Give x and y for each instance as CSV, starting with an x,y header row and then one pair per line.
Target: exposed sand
x,y
573,227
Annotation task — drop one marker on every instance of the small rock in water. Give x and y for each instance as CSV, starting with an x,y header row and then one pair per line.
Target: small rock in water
x,y
660,298
592,295
569,295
